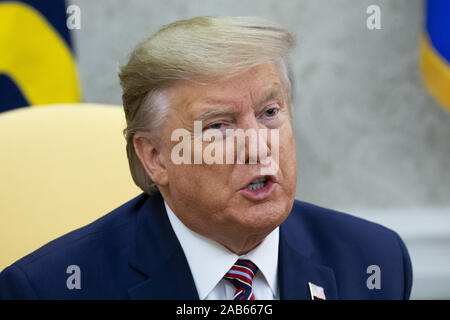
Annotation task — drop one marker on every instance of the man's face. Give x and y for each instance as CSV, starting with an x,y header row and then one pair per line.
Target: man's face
x,y
214,199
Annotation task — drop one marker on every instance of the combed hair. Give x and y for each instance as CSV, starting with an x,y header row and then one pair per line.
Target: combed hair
x,y
202,50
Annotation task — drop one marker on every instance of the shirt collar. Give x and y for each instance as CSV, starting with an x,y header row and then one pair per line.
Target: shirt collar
x,y
209,261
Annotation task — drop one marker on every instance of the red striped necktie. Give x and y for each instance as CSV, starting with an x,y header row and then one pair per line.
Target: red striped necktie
x,y
241,276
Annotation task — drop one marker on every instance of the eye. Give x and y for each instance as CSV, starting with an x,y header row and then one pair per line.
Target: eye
x,y
271,112
217,125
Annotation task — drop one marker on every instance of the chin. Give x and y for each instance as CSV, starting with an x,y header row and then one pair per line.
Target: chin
x,y
268,215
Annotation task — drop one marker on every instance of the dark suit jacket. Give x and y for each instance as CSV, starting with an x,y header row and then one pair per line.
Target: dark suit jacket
x,y
132,252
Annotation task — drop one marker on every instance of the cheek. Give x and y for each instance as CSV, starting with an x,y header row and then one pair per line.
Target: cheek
x,y
202,190
199,181
288,158
288,152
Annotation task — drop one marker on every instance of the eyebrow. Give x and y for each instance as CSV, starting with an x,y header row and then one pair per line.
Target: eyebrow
x,y
213,113
272,93
275,91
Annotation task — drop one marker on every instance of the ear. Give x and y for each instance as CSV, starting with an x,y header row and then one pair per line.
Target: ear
x,y
149,153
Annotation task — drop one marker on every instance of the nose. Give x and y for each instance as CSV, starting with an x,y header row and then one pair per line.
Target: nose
x,y
253,142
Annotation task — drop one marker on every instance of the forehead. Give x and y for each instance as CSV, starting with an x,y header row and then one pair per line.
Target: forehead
x,y
244,90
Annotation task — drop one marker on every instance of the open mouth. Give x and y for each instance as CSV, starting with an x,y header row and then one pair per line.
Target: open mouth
x,y
259,188
257,183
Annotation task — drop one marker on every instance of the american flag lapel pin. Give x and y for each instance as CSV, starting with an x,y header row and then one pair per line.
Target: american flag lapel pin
x,y
316,292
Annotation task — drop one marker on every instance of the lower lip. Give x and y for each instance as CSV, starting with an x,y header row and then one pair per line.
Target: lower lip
x,y
259,194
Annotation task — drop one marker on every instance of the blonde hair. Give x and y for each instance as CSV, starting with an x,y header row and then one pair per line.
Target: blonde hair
x,y
203,50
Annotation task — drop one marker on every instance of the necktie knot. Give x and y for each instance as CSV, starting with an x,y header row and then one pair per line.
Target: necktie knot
x,y
241,276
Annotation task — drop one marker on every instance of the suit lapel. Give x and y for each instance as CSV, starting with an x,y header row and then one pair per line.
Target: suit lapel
x,y
296,268
158,255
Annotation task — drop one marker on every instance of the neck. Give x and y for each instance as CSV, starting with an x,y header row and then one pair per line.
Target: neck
x,y
246,248
227,235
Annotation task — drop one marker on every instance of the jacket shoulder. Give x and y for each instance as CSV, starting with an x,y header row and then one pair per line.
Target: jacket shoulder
x,y
337,223
43,273
352,246
104,226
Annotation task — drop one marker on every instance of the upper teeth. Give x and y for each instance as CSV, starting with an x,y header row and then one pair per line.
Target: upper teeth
x,y
255,186
258,183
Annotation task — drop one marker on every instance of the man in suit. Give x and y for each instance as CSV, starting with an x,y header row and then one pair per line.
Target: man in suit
x,y
218,218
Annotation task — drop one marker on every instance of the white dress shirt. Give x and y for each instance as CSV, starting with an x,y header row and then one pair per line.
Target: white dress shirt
x,y
209,261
